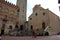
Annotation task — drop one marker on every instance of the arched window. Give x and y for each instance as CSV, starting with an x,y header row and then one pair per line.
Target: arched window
x,y
6,10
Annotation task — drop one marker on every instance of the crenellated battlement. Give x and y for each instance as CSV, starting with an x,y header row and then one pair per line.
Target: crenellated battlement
x,y
8,3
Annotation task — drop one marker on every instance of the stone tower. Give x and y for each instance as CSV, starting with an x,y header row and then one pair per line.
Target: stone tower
x,y
22,4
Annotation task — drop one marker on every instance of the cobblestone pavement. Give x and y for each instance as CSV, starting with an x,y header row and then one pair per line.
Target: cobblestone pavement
x,y
31,38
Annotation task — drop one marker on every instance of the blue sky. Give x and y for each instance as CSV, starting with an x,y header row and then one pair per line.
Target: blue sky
x,y
51,4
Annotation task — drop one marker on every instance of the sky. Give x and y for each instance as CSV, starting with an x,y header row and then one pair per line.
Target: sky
x,y
51,4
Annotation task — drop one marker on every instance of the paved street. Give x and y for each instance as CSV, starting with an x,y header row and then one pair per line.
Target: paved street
x,y
31,38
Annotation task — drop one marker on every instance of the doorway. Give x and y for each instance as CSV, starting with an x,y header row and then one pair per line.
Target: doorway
x,y
43,25
2,30
46,33
31,27
21,27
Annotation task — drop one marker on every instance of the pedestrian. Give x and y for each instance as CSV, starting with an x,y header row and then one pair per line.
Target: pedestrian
x,y
34,34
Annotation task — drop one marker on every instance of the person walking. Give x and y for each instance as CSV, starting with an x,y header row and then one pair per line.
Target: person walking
x,y
34,34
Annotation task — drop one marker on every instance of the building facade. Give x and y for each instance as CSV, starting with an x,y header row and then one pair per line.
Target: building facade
x,y
12,17
8,17
22,4
44,21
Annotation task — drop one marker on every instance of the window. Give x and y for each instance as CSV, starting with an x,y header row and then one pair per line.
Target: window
x,y
43,13
0,7
30,18
12,12
36,14
6,10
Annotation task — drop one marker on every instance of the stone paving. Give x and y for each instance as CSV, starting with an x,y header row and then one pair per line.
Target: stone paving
x,y
31,38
